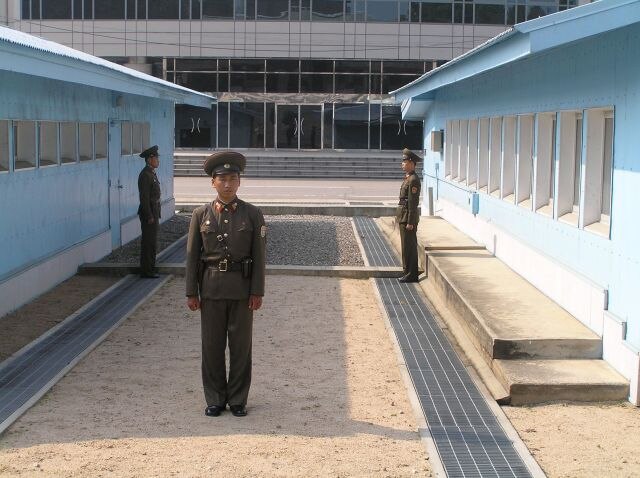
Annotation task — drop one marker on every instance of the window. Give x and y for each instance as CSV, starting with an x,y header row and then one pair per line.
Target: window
x,y
282,82
141,6
448,149
495,155
108,9
472,176
352,83
56,9
101,139
483,154
248,125
354,10
4,146
351,125
598,170
410,67
247,82
273,10
126,138
436,13
463,151
382,11
163,9
217,9
525,161
404,11
489,12
327,10
507,189
85,141
48,145
68,143
569,166
24,137
136,132
545,163
146,135
223,125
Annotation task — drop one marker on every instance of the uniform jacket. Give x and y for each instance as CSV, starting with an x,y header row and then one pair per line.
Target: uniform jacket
x,y
243,233
149,191
407,212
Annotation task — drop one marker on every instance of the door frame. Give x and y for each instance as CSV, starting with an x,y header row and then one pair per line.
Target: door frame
x,y
114,152
298,126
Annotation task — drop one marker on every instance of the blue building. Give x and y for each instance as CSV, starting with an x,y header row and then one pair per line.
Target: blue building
x,y
71,128
539,160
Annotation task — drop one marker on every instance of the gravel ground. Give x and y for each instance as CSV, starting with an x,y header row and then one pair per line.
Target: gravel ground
x,y
291,240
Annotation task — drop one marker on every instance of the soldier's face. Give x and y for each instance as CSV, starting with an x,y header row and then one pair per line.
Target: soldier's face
x,y
226,185
153,161
408,166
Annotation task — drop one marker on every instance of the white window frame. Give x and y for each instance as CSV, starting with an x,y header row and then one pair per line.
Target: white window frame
x,y
483,154
508,181
525,140
98,153
463,156
472,164
544,164
5,149
495,155
87,134
569,150
34,143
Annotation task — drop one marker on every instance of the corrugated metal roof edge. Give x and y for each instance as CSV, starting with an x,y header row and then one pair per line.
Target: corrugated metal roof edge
x,y
26,40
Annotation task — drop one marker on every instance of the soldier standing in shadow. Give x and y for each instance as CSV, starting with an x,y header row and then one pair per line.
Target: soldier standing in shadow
x,y
407,216
149,211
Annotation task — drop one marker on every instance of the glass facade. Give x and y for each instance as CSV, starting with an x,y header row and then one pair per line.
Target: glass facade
x,y
488,12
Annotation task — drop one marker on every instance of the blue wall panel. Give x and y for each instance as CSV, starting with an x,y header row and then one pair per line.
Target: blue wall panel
x,y
600,71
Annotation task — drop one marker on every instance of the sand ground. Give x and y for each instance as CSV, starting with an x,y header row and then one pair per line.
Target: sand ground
x,y
327,398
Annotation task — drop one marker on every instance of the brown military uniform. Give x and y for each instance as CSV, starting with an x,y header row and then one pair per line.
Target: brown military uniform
x,y
221,239
149,192
407,213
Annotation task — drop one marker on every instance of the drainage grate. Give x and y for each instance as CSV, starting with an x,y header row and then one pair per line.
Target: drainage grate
x,y
176,253
28,375
469,439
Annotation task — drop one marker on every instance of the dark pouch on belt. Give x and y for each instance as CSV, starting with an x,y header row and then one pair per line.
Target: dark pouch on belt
x,y
246,267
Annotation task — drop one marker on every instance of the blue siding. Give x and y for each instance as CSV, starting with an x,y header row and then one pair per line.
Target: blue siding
x,y
601,71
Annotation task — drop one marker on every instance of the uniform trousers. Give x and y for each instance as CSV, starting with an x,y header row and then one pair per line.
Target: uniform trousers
x,y
148,246
409,246
221,319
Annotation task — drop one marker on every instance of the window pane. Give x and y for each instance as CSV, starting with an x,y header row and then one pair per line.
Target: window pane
x,y
317,66
223,125
141,6
109,9
352,83
85,141
349,66
217,9
247,65
273,10
351,126
146,135
248,125
316,83
197,81
436,13
4,145
270,125
164,9
489,14
247,82
282,82
26,10
48,146
606,166
328,126
382,11
374,126
125,135
412,132
415,67
327,10
35,9
251,10
199,64
391,127
24,137
282,66
131,10
239,10
393,82
405,11
376,84
415,12
56,9
68,143
101,140
136,131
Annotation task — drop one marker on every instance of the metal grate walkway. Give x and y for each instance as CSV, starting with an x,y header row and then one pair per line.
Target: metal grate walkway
x,y
31,372
176,253
467,435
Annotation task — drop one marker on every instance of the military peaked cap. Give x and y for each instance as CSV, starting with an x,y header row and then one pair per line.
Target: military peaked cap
x,y
224,162
410,155
152,151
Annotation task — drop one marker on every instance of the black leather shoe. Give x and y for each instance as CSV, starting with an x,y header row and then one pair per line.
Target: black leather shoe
x,y
213,410
238,410
402,277
408,278
153,275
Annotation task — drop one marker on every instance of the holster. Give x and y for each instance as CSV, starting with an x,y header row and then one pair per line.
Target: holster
x,y
247,266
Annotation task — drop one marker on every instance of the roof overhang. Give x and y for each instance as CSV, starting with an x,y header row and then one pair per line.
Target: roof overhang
x,y
415,108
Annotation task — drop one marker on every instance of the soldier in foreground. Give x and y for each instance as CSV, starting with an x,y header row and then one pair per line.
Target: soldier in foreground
x,y
407,216
149,211
225,277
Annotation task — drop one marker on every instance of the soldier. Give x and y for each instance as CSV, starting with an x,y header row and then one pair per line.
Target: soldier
x,y
149,212
407,216
225,280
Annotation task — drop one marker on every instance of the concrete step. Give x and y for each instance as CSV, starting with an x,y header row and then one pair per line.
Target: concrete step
x,y
535,349
536,381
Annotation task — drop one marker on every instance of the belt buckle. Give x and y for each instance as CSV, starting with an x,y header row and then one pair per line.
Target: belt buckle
x,y
222,265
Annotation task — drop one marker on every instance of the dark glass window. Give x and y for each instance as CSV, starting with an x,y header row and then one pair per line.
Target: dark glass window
x,y
282,82
328,126
196,9
247,65
282,66
415,67
393,82
217,9
535,11
415,12
352,66
239,13
270,122
197,81
391,127
249,82
351,126
109,9
352,83
374,126
515,14
195,127
88,9
316,66
382,11
223,82
171,77
354,10
223,125
164,9
327,10
26,9
251,10
141,8
489,14
193,64
131,10
412,132
223,65
35,9
404,10
376,84
316,83
248,125
56,9
273,10
376,66
436,12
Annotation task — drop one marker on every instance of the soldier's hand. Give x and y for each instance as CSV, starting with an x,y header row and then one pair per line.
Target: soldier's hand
x,y
255,302
193,303
151,220
409,227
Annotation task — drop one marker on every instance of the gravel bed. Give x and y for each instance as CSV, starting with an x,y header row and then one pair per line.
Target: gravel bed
x,y
291,240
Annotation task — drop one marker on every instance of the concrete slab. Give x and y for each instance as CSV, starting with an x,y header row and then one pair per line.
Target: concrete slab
x,y
434,234
536,381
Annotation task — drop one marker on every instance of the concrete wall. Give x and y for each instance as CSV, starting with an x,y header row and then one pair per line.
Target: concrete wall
x,y
599,72
61,214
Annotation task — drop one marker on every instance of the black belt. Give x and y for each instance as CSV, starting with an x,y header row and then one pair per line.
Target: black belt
x,y
225,265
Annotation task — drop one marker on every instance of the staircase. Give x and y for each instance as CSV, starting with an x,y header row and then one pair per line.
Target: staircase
x,y
301,164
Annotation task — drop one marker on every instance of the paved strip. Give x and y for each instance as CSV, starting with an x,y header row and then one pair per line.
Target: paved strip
x,y
467,435
176,253
32,371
